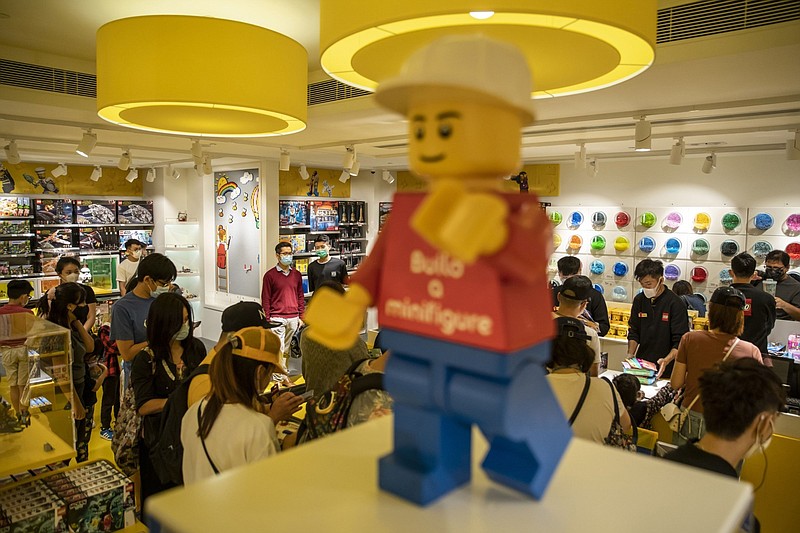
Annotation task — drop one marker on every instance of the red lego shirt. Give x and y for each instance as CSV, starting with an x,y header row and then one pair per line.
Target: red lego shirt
x,y
500,303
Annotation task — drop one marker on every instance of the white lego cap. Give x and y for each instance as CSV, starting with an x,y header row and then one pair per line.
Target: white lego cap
x,y
464,67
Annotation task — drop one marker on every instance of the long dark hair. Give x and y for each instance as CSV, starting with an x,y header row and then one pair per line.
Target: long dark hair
x,y
164,320
56,310
233,380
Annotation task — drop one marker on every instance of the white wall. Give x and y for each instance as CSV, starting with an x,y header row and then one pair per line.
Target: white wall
x,y
740,180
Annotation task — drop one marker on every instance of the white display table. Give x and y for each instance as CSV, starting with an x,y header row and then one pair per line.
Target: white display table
x,y
331,485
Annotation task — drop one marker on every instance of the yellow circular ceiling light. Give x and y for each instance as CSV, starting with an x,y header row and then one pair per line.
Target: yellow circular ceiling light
x,y
200,76
572,46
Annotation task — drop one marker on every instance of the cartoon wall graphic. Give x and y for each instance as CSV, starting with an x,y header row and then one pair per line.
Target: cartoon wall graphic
x,y
237,222
321,183
35,178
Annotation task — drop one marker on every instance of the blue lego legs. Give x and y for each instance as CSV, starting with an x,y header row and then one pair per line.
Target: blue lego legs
x,y
441,389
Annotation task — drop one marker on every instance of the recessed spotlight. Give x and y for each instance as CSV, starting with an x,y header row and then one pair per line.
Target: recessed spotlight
x,y
481,15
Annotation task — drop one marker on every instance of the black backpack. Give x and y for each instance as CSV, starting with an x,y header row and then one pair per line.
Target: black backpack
x,y
328,413
167,454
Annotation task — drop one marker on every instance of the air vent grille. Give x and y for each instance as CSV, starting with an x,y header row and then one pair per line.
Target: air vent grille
x,y
700,19
54,80
323,92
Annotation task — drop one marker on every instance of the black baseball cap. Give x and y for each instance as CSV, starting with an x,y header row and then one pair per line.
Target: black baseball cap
x,y
577,288
18,287
730,297
566,326
245,315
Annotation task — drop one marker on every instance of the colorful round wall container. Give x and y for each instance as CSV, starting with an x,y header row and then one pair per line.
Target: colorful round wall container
x,y
725,276
556,240
792,224
672,272
622,219
555,217
673,221
621,244
702,221
648,219
597,267
763,221
761,249
699,274
731,221
575,220
619,294
599,219
700,247
599,288
647,244
729,248
575,243
620,269
672,246
793,249
598,242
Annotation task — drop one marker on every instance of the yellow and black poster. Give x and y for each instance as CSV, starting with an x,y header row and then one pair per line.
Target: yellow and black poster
x,y
542,180
321,182
36,178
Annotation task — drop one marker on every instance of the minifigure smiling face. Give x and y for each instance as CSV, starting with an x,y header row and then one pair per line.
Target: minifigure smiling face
x,y
462,138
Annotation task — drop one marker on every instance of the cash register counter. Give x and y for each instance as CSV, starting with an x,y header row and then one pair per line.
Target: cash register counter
x,y
331,485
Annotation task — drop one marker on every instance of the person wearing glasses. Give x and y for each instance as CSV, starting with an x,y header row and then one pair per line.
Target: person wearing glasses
x,y
282,297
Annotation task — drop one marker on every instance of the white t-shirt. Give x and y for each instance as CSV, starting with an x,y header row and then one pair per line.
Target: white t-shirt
x,y
595,417
126,269
238,437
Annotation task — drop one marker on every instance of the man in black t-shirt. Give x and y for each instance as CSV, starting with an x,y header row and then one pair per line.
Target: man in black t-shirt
x,y
325,268
596,310
759,311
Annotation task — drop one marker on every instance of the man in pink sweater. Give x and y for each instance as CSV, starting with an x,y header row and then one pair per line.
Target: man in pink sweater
x,y
282,297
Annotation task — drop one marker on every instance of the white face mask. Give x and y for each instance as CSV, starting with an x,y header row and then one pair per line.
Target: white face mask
x,y
758,444
651,293
136,254
71,278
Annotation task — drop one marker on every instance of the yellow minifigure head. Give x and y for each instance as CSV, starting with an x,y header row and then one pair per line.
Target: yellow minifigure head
x,y
463,122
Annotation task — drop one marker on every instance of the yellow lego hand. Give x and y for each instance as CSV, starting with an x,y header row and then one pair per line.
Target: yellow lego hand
x,y
465,225
334,319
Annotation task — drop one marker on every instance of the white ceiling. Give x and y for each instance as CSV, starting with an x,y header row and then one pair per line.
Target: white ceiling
x,y
735,92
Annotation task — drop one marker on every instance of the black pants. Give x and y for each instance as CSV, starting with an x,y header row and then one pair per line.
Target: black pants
x,y
150,484
110,401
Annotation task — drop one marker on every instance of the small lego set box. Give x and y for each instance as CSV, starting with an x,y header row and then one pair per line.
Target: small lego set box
x,y
145,236
298,242
54,239
31,507
293,213
15,206
324,216
301,265
14,227
135,211
96,211
53,211
104,238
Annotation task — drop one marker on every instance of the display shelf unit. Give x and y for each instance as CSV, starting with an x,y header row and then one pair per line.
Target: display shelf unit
x,y
182,246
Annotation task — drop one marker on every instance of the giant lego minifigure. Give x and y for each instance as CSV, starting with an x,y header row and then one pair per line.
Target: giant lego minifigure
x,y
458,275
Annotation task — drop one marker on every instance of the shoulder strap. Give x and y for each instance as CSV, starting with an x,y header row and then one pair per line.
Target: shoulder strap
x,y
614,398
580,400
733,345
203,441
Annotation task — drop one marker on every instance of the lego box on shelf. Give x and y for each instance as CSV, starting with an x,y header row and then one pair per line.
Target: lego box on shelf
x,y
15,206
293,213
53,211
95,211
135,211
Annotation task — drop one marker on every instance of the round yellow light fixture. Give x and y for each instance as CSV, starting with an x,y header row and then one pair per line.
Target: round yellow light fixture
x,y
200,76
572,46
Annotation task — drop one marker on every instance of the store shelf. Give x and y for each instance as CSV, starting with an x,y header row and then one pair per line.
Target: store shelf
x,y
329,232
352,223
176,222
17,276
29,254
12,236
181,247
109,225
295,226
29,217
349,239
188,274
28,450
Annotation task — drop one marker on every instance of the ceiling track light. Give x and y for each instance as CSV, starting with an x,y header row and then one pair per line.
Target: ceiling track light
x,y
124,160
349,157
285,161
12,153
344,176
151,175
87,144
580,156
710,163
643,136
173,172
303,171
593,167
387,176
197,153
677,152
132,175
96,174
355,168
207,168
793,147
59,171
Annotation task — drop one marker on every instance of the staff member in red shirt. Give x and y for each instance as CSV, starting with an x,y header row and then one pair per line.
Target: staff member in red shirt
x,y
282,297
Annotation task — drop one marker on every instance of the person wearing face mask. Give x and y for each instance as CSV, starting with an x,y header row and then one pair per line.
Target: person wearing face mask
x,y
232,426
787,292
596,310
741,399
572,301
69,269
13,351
326,267
760,310
155,274
658,318
127,269
172,354
282,297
